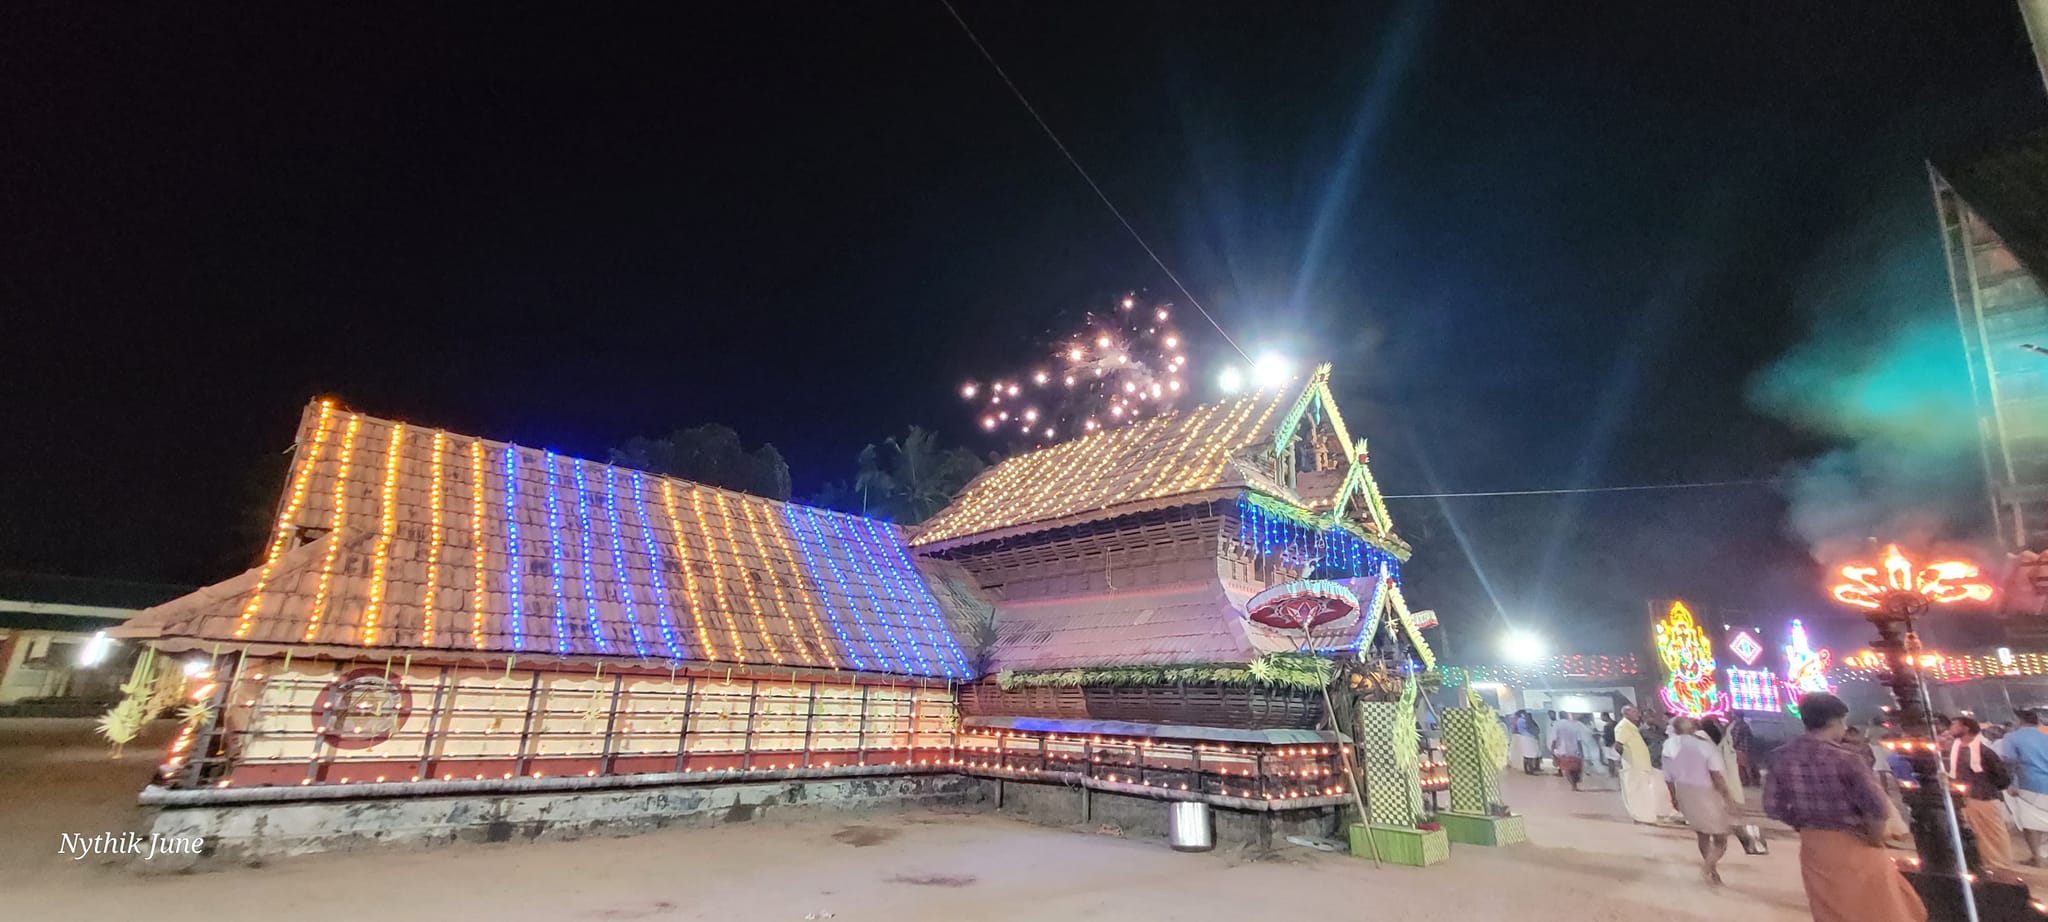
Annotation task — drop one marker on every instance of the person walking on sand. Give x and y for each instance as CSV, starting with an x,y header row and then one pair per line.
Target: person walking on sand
x,y
1527,747
1697,777
2028,745
1642,786
1568,742
1743,740
1724,741
1831,798
1595,750
1975,766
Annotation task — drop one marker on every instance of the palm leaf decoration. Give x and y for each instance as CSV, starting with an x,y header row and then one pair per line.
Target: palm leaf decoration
x,y
194,715
1283,670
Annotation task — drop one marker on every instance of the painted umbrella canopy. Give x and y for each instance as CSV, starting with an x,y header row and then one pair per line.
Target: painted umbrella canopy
x,y
1302,604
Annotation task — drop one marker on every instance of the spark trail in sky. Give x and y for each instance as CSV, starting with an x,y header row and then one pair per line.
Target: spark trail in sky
x,y
1123,362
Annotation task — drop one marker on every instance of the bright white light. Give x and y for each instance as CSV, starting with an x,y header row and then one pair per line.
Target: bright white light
x,y
967,390
1231,380
1522,647
195,666
95,649
1272,370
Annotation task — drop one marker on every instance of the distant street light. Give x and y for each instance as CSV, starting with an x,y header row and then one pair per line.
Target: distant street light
x,y
1230,380
1272,370
1522,647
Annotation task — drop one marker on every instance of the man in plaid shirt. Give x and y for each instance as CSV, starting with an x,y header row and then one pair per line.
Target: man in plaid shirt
x,y
1832,798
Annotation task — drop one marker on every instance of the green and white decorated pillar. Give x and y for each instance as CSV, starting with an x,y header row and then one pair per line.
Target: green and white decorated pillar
x,y
1389,745
1477,748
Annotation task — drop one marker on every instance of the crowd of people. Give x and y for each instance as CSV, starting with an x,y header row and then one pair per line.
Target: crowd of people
x,y
1837,786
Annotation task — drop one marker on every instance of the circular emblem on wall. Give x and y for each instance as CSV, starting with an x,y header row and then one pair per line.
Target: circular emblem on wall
x,y
361,709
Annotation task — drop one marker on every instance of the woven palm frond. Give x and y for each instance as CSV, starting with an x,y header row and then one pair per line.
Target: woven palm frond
x,y
1287,670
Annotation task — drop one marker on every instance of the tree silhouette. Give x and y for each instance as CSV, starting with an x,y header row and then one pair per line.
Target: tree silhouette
x,y
712,455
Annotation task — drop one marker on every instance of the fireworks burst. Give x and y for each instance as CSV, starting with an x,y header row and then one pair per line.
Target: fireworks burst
x,y
1123,363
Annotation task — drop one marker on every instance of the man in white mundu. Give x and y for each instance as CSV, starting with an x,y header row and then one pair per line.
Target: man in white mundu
x,y
1643,792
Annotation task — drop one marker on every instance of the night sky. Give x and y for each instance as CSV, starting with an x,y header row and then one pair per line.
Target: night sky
x,y
1558,245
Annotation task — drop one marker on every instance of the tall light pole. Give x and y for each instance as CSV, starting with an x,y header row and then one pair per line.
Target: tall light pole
x,y
1891,595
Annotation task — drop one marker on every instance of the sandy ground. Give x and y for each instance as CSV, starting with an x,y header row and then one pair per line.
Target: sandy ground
x,y
1587,864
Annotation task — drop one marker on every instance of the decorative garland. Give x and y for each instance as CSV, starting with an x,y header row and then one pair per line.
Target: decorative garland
x,y
1286,670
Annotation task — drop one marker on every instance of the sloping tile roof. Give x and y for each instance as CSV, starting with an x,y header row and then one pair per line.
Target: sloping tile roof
x,y
459,543
1170,455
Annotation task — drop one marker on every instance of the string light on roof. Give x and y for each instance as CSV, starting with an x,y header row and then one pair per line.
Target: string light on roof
x,y
478,572
664,619
555,552
514,616
431,589
283,528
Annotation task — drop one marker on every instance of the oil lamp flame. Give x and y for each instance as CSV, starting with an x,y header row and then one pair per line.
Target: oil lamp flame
x,y
1940,583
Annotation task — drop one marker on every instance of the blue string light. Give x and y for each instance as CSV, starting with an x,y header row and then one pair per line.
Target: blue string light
x,y
513,564
555,552
611,514
896,636
926,607
789,515
590,620
663,618
1339,553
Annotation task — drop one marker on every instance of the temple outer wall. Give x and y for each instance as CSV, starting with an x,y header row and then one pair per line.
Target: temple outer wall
x,y
248,832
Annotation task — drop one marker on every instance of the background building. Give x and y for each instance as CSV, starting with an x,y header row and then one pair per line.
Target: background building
x,y
54,658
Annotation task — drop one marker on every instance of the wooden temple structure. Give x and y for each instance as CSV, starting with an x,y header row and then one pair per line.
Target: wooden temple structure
x,y
449,619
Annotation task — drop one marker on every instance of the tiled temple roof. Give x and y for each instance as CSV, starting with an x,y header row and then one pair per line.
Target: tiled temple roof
x,y
1163,456
457,543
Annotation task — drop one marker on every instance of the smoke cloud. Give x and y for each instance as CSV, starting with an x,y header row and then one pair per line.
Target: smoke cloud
x,y
1881,375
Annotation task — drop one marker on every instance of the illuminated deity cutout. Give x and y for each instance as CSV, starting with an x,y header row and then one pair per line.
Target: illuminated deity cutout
x,y
1690,660
1806,669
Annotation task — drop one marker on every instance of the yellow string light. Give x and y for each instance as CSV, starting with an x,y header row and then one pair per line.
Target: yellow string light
x,y
319,607
387,528
1181,436
1206,465
283,530
433,545
718,581
476,542
675,530
773,525
774,596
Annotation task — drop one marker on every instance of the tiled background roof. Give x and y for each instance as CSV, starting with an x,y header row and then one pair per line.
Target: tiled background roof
x,y
426,539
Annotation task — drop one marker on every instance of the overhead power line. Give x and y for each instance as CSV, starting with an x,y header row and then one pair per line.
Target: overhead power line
x,y
1636,488
1090,180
